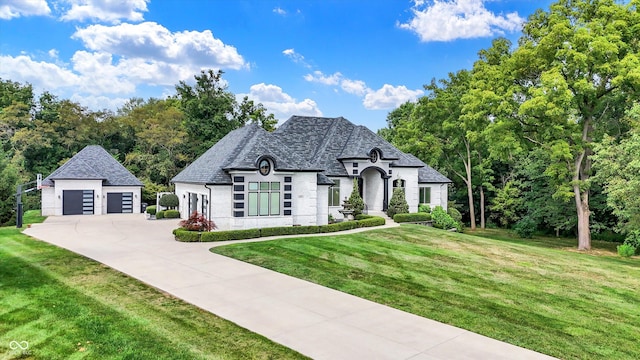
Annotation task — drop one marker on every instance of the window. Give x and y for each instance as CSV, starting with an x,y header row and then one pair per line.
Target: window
x,y
373,156
265,167
425,195
334,194
204,203
264,198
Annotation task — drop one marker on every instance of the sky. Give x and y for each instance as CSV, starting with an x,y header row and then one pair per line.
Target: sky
x,y
358,59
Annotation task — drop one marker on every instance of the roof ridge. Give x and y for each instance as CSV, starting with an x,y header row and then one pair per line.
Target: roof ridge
x,y
333,126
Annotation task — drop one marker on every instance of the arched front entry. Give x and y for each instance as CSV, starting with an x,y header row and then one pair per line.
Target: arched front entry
x,y
374,188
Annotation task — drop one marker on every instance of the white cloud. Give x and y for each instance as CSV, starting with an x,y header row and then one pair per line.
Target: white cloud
x,y
295,57
355,87
40,74
105,10
321,78
388,97
16,8
281,104
155,43
446,20
279,11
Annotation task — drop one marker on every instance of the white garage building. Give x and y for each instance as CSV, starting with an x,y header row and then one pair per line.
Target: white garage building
x,y
91,183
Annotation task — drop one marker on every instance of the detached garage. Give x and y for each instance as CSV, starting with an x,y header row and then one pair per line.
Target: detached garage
x,y
91,183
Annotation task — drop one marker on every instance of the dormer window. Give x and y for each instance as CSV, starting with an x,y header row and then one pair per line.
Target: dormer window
x,y
264,167
373,156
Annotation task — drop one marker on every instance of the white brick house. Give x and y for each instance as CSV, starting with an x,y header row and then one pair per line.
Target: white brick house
x,y
92,182
301,173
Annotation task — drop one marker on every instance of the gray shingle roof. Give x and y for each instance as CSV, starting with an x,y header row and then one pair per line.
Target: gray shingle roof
x,y
427,175
302,143
93,163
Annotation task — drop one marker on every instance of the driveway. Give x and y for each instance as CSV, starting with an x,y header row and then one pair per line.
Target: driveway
x,y
316,321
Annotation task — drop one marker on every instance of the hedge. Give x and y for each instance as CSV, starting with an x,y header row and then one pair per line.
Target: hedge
x,y
229,235
413,217
194,236
172,214
151,210
160,215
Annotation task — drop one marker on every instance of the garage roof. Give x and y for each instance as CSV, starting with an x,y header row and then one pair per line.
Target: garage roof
x,y
93,163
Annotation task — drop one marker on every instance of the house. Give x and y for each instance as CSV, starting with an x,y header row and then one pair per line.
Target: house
x,y
92,182
300,174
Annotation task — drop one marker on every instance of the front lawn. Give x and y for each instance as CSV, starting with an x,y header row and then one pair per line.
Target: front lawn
x,y
532,294
58,305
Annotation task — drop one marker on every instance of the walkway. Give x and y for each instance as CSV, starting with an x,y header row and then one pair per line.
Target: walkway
x,y
316,321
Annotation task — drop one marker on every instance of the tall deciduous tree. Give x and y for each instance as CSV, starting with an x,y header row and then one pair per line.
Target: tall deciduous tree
x,y
578,69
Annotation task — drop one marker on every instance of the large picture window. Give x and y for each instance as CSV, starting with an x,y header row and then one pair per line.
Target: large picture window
x,y
264,198
425,195
334,194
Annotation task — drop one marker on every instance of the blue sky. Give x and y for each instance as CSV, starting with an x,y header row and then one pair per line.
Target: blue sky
x,y
356,59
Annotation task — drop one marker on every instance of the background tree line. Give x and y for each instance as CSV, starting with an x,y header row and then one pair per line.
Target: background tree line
x,y
153,138
542,136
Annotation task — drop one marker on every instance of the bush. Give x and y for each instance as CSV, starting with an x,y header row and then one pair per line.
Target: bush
x,y
609,236
442,220
363,216
151,210
371,221
455,214
525,227
341,226
398,203
415,217
197,222
424,208
160,215
625,250
170,201
230,235
289,230
633,240
186,235
172,214
355,200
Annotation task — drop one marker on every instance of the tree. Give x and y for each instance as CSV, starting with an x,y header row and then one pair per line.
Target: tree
x,y
357,204
170,201
251,113
618,168
398,203
8,182
209,110
577,71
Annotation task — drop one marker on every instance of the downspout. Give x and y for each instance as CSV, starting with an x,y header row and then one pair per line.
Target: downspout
x,y
208,203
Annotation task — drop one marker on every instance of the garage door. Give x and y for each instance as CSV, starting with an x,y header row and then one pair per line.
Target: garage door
x,y
77,202
118,203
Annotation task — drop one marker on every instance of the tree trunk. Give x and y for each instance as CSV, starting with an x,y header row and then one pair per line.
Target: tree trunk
x,y
482,222
472,211
582,204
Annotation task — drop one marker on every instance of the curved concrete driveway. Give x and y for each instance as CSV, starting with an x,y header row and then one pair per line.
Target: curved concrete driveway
x,y
316,321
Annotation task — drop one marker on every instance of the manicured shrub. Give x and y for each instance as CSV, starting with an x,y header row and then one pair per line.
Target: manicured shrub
x,y
414,217
625,250
229,235
289,230
197,222
172,214
363,216
525,227
442,220
633,240
186,236
341,226
371,221
160,215
455,214
170,201
398,203
355,200
151,210
424,208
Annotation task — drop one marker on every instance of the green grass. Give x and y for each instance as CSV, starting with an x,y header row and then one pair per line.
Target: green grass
x,y
539,294
65,306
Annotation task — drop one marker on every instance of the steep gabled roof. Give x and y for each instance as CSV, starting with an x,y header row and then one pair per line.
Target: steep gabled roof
x,y
302,143
240,150
93,163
